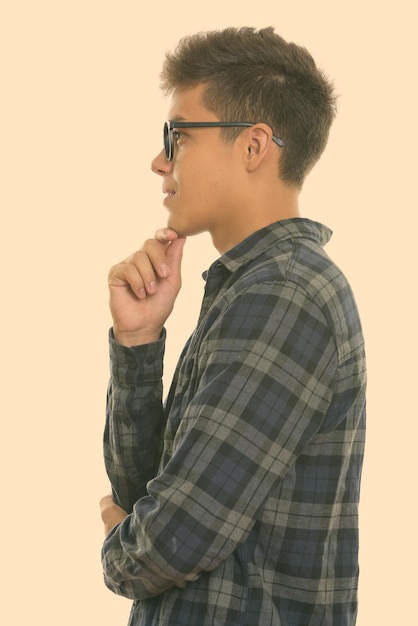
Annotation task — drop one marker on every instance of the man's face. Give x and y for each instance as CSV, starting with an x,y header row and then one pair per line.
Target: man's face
x,y
200,182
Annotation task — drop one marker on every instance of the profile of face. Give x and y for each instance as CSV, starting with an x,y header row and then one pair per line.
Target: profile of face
x,y
200,182
227,188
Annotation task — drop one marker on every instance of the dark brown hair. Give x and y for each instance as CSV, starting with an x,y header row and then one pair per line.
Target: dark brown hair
x,y
257,76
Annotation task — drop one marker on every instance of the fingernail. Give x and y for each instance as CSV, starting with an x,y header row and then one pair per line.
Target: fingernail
x,y
163,233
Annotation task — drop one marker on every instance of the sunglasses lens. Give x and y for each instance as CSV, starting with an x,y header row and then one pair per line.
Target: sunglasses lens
x,y
167,143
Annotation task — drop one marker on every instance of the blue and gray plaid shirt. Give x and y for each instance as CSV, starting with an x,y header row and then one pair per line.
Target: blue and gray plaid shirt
x,y
243,488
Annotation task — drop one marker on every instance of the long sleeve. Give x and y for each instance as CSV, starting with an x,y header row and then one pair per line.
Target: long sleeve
x,y
134,419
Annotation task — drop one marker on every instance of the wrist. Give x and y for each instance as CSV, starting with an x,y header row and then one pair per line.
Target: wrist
x,y
137,337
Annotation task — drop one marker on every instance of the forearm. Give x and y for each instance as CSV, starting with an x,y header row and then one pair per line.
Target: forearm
x,y
134,420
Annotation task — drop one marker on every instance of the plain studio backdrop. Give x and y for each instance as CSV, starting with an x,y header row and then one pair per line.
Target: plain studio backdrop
x,y
81,118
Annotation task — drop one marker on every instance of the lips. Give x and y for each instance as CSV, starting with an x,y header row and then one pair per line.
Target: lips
x,y
168,192
168,195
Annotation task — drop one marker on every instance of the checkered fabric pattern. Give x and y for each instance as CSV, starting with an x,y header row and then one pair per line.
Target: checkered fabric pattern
x,y
243,487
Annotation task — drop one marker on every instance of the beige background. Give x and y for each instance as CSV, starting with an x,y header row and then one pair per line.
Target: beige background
x,y
81,117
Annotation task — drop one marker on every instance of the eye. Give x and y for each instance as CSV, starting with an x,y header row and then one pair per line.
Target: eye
x,y
177,135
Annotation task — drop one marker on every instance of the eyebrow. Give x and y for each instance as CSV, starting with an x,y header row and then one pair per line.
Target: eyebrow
x,y
178,118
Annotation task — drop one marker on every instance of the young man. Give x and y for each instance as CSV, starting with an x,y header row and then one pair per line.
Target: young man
x,y
236,501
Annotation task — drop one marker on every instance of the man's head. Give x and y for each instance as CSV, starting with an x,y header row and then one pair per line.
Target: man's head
x,y
256,76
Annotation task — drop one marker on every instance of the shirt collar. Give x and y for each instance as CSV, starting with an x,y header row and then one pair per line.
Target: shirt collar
x,y
274,234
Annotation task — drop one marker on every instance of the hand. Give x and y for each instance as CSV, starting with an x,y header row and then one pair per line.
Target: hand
x,y
143,289
112,514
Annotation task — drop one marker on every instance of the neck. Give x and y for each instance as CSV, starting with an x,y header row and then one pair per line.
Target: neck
x,y
253,213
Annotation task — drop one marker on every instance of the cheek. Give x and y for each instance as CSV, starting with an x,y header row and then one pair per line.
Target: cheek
x,y
191,176
202,173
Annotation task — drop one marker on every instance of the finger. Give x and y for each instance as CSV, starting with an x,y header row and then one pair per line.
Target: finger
x,y
167,256
148,266
156,252
164,235
174,253
157,259
128,274
173,259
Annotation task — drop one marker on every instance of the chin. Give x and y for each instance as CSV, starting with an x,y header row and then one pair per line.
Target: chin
x,y
184,230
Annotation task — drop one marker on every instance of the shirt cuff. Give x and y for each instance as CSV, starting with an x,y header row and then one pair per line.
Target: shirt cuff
x,y
139,364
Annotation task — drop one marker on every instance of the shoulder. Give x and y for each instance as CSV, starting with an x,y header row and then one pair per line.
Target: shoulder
x,y
299,283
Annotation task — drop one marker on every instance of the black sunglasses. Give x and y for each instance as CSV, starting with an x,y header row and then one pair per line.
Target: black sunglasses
x,y
169,128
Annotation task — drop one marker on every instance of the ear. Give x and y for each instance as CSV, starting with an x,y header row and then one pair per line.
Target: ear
x,y
258,145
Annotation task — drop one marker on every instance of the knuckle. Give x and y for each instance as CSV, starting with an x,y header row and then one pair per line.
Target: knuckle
x,y
114,271
149,244
136,256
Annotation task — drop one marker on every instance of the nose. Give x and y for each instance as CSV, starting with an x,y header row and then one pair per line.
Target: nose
x,y
160,165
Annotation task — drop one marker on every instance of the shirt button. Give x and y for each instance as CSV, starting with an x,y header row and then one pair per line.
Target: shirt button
x,y
150,360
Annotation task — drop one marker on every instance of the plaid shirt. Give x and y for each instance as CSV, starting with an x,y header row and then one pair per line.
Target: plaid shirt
x,y
243,488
